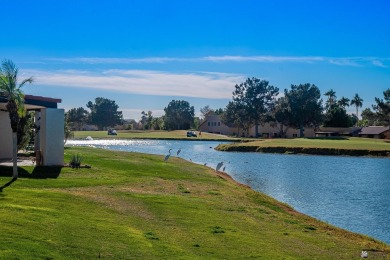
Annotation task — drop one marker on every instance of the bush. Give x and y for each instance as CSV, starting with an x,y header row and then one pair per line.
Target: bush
x,y
76,161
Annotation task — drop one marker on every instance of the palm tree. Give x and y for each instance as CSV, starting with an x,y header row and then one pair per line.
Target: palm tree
x,y
10,89
331,98
343,102
358,102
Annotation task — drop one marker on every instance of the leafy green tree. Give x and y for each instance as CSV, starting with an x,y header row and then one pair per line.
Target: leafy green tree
x,y
219,111
146,120
382,108
178,115
77,117
131,124
104,113
196,123
157,123
369,118
358,102
257,97
282,114
236,115
11,90
303,106
337,117
336,113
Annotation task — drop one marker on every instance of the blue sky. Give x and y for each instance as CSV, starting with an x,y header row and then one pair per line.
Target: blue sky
x,y
143,54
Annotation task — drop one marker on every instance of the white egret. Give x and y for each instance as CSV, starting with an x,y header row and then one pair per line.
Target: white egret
x,y
167,156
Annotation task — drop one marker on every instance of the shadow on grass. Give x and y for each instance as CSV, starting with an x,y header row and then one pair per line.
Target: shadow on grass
x,y
7,184
38,172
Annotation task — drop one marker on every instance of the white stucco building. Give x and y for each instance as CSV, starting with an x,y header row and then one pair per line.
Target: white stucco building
x,y
49,142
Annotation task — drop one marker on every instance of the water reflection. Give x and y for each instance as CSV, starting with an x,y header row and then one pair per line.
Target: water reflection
x,y
349,192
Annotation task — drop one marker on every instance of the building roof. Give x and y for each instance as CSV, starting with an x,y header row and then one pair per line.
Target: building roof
x,y
34,102
374,130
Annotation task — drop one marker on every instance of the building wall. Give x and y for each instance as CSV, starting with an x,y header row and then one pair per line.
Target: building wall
x,y
213,124
5,136
272,130
52,136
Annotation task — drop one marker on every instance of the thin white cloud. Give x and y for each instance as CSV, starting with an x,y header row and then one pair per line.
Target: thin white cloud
x,y
344,62
201,85
265,59
97,60
340,61
379,63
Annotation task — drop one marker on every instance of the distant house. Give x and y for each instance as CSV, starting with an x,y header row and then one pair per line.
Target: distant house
x,y
378,132
337,131
212,124
49,142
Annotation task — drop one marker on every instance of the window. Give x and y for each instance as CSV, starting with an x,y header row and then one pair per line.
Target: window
x,y
208,123
219,123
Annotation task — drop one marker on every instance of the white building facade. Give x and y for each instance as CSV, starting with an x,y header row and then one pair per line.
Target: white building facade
x,y
49,140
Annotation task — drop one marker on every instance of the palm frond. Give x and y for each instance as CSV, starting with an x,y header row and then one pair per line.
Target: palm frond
x,y
29,80
8,82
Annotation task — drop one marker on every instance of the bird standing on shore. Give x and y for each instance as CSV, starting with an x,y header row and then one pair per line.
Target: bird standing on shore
x,y
178,152
167,156
219,165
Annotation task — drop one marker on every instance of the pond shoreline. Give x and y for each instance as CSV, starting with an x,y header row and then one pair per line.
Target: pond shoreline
x,y
303,150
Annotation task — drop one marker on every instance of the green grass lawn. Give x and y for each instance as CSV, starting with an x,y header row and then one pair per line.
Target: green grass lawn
x,y
131,205
178,134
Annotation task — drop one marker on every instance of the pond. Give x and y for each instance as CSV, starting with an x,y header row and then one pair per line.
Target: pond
x,y
349,192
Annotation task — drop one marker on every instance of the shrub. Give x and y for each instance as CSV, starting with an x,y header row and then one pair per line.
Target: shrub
x,y
76,161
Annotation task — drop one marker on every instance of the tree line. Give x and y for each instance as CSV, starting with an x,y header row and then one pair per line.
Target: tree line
x,y
254,103
104,114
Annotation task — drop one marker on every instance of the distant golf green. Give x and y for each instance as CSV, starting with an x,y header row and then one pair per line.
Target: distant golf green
x,y
331,146
136,206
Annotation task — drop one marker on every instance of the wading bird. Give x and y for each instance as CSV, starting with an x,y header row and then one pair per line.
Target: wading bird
x,y
219,165
167,156
178,151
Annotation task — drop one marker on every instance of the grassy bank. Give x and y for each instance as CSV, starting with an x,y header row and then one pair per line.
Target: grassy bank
x,y
131,205
127,134
337,146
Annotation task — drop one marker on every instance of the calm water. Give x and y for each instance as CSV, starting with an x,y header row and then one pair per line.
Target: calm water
x,y
349,192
